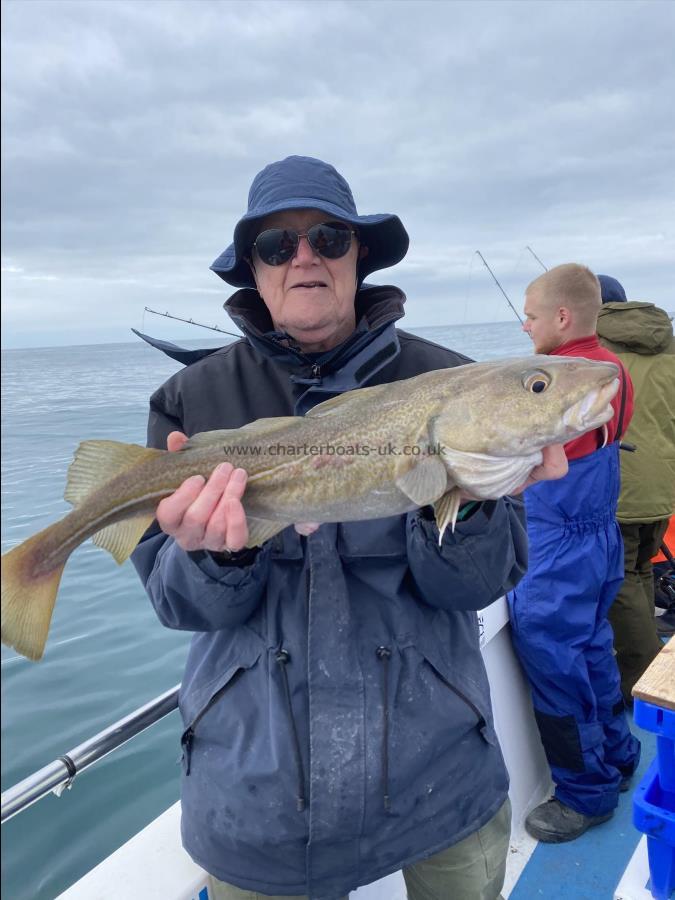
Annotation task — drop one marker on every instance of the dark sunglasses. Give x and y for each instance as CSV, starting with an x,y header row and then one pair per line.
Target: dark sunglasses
x,y
277,245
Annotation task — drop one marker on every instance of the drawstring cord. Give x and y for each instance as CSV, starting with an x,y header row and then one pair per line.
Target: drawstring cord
x,y
384,654
283,658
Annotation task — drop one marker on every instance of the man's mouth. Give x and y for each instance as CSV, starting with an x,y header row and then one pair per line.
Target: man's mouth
x,y
310,284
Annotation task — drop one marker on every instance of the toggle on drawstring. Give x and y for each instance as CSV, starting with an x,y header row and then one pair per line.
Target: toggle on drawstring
x,y
283,658
384,654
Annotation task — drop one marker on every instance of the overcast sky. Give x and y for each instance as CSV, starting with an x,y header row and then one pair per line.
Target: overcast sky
x,y
132,131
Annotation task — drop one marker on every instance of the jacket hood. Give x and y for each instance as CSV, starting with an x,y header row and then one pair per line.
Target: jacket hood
x,y
376,308
636,327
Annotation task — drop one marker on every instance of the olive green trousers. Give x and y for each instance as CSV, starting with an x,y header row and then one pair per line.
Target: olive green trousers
x,y
473,869
631,616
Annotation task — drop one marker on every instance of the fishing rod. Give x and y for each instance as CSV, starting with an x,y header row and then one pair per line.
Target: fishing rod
x,y
191,322
499,286
545,268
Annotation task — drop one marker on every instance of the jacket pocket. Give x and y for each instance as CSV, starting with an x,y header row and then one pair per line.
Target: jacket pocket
x,y
197,703
465,690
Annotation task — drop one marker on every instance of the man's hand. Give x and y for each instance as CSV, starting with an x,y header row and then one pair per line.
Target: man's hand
x,y
553,466
206,515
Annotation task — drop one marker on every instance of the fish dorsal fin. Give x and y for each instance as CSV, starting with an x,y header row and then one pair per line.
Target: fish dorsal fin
x,y
351,398
96,462
446,509
254,429
424,481
261,530
121,538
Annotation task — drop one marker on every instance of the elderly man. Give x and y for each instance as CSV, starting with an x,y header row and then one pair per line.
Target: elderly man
x,y
337,712
559,610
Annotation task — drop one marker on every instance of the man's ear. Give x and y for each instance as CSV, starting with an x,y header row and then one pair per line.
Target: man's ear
x,y
363,252
564,318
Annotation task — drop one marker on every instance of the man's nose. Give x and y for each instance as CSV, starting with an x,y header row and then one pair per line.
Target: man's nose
x,y
305,254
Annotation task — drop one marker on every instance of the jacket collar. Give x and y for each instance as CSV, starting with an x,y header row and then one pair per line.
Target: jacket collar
x,y
372,345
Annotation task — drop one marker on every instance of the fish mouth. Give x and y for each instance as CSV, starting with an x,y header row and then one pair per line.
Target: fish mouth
x,y
592,410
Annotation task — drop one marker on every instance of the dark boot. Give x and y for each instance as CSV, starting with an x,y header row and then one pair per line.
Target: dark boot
x,y
555,823
665,623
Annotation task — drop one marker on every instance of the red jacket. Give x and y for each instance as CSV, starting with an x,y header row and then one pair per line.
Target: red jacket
x,y
590,348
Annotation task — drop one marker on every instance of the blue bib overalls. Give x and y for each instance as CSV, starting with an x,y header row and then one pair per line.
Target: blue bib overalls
x,y
563,638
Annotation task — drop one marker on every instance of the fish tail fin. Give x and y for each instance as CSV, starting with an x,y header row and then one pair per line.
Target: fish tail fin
x,y
28,598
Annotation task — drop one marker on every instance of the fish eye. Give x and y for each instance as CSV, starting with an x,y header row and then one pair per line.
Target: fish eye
x,y
536,382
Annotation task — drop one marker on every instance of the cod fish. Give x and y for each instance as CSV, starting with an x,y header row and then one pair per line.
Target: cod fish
x,y
369,453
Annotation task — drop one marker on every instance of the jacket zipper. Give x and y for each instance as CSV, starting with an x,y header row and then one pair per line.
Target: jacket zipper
x,y
384,655
283,658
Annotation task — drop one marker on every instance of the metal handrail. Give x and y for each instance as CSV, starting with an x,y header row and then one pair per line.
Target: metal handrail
x,y
60,774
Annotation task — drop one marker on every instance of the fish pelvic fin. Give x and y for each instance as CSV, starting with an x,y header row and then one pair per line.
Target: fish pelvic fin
x,y
28,598
96,462
120,539
261,530
446,510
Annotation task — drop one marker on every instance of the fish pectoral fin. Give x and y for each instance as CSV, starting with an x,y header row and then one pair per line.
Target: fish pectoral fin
x,y
229,435
120,539
261,530
96,462
424,481
28,598
445,510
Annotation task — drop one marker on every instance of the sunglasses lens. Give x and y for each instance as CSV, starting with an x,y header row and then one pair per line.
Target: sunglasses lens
x,y
330,239
276,245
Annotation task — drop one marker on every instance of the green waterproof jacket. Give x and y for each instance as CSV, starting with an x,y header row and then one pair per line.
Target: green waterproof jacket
x,y
641,335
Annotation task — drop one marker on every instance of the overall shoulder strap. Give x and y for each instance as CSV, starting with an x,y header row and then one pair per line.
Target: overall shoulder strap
x,y
622,410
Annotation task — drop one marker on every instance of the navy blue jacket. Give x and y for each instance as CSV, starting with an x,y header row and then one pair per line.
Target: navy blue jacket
x,y
336,708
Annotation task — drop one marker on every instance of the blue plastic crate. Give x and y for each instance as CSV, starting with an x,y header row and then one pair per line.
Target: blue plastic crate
x,y
662,722
654,815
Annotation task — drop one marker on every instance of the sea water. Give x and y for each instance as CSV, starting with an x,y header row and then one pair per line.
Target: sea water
x,y
107,653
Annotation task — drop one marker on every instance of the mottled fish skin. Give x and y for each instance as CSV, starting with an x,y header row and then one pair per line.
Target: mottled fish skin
x,y
369,453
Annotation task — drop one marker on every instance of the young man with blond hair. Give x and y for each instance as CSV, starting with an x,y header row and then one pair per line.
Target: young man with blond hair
x,y
559,610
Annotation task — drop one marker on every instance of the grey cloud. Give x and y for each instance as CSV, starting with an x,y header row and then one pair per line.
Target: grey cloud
x,y
131,132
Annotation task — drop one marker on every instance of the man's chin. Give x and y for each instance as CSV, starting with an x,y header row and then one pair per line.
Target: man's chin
x,y
316,337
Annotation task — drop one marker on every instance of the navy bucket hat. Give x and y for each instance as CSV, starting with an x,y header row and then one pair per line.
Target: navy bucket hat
x,y
611,290
300,182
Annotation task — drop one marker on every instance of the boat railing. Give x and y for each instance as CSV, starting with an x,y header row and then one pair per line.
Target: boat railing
x,y
59,775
